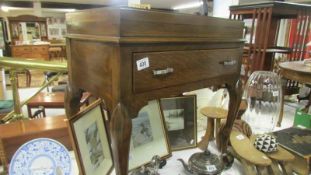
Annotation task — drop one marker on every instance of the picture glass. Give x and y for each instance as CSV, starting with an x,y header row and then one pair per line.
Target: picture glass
x,y
96,153
93,142
180,120
142,131
148,136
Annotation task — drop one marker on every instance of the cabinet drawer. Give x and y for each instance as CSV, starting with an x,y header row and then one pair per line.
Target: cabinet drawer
x,y
21,50
173,68
41,49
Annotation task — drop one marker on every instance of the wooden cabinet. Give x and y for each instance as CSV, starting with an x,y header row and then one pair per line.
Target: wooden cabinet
x,y
178,52
38,52
36,28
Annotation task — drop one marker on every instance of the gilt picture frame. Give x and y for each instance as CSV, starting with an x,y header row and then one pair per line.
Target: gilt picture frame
x,y
148,137
181,121
91,140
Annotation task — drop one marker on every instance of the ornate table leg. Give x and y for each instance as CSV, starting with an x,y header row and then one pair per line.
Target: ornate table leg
x,y
235,94
120,130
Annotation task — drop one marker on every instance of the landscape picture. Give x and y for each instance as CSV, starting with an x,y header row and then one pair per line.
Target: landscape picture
x,y
94,145
179,114
174,119
141,130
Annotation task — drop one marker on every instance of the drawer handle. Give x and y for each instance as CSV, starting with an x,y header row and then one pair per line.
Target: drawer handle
x,y
161,72
228,62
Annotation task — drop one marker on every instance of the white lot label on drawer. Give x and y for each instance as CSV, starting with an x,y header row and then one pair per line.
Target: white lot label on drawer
x,y
142,63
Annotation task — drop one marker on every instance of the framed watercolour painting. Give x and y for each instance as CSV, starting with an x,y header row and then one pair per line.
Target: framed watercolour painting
x,y
148,136
181,121
91,141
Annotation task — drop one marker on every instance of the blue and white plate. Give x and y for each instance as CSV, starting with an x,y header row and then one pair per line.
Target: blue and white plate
x,y
41,156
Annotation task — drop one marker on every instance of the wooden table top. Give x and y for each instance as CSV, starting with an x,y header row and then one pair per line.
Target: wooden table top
x,y
55,99
296,70
23,127
214,112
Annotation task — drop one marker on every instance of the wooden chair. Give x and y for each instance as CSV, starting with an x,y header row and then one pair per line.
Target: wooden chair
x,y
40,113
27,74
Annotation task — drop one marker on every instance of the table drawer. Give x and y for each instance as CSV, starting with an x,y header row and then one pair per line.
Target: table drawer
x,y
173,68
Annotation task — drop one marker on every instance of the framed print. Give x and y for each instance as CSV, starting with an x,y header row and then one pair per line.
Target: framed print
x,y
91,141
181,121
148,136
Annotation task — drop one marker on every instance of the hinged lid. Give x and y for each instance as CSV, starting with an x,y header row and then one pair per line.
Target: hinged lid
x,y
136,25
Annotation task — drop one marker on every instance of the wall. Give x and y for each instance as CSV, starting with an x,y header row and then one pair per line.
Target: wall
x,y
199,10
30,12
221,7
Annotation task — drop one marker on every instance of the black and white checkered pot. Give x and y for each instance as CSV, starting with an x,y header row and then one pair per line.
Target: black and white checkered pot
x,y
265,143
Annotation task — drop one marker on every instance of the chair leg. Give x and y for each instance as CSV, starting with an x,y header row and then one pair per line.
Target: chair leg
x,y
216,132
287,167
308,105
43,113
261,170
248,168
282,109
274,168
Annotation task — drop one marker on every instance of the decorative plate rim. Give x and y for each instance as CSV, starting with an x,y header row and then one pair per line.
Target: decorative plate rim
x,y
35,140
